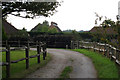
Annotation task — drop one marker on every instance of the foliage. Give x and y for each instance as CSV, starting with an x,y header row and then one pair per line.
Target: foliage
x,y
67,31
52,30
44,27
118,30
46,23
104,66
41,28
85,35
24,29
108,23
22,33
96,37
78,35
75,35
74,32
31,9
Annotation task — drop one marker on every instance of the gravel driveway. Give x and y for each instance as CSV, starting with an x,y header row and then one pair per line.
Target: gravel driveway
x,y
82,65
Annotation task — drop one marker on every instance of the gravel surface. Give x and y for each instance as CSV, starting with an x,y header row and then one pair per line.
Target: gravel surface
x,y
82,65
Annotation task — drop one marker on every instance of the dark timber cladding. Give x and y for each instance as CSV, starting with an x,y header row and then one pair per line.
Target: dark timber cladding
x,y
54,40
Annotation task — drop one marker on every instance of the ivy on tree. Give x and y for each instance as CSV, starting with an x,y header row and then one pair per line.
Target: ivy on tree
x,y
30,9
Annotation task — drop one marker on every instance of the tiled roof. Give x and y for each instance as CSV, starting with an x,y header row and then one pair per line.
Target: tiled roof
x,y
9,29
102,30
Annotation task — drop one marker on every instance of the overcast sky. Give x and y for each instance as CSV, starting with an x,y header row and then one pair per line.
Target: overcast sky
x,y
77,14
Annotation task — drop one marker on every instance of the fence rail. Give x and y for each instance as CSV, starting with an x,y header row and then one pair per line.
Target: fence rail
x,y
50,43
106,49
18,43
41,48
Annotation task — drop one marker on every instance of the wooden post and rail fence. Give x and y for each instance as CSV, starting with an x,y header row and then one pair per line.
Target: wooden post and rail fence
x,y
41,48
106,49
18,43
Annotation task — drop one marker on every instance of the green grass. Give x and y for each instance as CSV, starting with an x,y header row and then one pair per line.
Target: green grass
x,y
104,66
18,70
66,71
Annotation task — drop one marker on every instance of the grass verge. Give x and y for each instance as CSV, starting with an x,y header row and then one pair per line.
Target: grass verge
x,y
104,66
18,69
66,71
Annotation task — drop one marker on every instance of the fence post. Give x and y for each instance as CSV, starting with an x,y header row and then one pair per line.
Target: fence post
x,y
117,54
36,43
27,57
6,43
71,45
19,43
38,52
108,50
77,44
66,46
43,51
99,46
88,45
28,44
105,49
80,44
94,46
110,54
8,61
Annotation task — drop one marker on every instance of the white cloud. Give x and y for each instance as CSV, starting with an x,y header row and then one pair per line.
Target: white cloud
x,y
78,14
